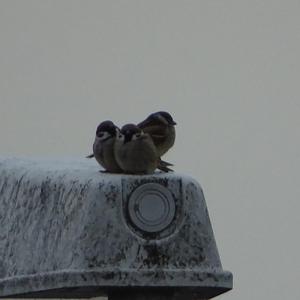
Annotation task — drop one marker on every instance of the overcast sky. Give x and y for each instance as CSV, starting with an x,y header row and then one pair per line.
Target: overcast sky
x,y
228,71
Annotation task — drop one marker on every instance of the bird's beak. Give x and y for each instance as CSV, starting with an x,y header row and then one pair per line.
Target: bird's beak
x,y
173,123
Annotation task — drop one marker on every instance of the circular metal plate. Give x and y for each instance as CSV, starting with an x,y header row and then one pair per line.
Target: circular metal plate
x,y
151,207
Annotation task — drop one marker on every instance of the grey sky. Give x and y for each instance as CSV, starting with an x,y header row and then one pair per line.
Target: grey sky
x,y
228,71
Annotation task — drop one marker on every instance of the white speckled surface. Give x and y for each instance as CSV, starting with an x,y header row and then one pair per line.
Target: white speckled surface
x,y
65,225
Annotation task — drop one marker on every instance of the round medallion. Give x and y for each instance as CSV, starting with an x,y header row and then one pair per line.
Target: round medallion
x,y
151,207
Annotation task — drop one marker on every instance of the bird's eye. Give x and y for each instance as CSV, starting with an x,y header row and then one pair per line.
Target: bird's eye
x,y
120,136
100,134
138,135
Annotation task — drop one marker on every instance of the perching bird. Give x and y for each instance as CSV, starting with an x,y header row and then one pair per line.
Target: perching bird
x,y
135,151
103,147
160,126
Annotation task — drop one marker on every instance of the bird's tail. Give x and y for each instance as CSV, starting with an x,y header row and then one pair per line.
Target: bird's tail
x,y
164,166
165,163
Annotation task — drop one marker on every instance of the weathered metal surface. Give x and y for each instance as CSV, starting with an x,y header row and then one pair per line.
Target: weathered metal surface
x,y
67,230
